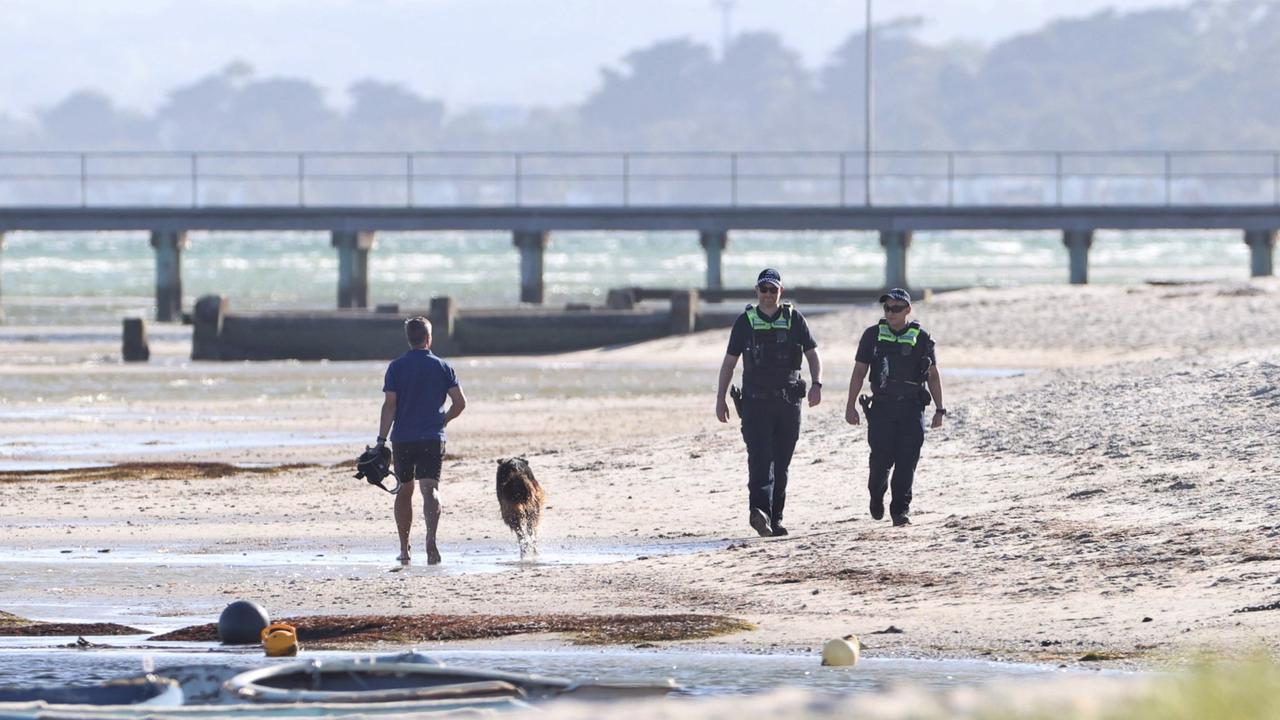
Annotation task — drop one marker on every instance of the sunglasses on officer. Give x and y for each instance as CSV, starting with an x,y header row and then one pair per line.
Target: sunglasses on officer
x,y
766,288
894,309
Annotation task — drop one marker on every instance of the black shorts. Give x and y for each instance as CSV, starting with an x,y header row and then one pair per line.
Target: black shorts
x,y
417,460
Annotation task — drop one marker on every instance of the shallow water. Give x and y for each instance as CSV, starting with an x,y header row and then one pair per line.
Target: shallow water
x,y
461,557
698,673
64,278
31,573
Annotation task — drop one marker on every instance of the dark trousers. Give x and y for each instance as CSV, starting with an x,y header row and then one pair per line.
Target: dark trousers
x,y
895,432
770,428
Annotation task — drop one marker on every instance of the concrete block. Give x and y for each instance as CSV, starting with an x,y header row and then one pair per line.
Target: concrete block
x,y
134,346
620,299
206,331
443,315
684,312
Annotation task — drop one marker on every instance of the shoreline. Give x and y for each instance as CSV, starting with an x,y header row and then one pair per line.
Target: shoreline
x,y
1060,506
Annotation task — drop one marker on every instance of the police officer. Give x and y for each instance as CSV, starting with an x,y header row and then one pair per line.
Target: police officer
x,y
774,337
901,359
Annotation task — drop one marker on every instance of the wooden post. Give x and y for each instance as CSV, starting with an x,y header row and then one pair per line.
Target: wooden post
x,y
1078,243
443,316
1262,251
134,346
714,243
353,267
168,245
206,331
533,246
895,244
684,312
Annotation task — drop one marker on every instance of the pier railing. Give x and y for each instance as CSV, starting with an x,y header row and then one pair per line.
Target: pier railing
x,y
638,179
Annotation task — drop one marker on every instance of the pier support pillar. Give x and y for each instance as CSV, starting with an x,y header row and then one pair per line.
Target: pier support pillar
x,y
533,246
1262,252
353,267
714,243
1078,243
168,245
895,244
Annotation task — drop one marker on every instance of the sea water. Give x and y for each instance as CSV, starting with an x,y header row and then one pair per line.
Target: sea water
x,y
89,278
698,673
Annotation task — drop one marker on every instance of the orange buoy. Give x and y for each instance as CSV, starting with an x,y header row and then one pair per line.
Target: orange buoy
x,y
280,640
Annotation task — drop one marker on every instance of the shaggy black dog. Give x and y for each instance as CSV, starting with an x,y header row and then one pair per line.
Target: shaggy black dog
x,y
520,499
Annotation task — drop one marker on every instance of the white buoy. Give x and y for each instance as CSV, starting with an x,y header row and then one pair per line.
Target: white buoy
x,y
843,651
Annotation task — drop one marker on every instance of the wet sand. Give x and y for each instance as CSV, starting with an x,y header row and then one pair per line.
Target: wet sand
x,y
1117,498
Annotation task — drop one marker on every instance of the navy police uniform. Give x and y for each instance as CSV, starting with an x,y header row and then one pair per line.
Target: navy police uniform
x,y
772,348
899,363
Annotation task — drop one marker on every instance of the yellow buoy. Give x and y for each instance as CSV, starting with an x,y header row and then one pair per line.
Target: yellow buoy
x,y
842,651
280,640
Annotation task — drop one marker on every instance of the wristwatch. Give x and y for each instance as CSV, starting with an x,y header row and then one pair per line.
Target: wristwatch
x,y
940,411
817,384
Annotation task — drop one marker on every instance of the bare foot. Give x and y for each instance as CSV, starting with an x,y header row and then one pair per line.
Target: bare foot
x,y
403,557
433,556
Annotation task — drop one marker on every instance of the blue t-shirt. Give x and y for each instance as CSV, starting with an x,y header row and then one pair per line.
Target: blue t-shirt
x,y
421,382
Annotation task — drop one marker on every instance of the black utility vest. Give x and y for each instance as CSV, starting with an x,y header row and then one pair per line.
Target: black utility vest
x,y
899,366
772,360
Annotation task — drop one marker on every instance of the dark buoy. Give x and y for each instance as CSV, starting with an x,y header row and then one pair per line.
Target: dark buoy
x,y
241,623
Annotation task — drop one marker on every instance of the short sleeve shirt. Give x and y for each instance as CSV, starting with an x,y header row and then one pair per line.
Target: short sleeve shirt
x,y
421,382
740,335
867,345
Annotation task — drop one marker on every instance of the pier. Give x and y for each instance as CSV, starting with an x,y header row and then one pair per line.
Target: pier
x,y
353,196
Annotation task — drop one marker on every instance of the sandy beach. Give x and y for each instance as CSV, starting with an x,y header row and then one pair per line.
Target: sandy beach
x,y
1106,484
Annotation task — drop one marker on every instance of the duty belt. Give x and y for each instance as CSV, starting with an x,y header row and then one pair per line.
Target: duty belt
x,y
765,394
899,390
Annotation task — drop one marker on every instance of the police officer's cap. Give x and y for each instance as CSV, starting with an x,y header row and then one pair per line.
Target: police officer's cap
x,y
769,275
896,294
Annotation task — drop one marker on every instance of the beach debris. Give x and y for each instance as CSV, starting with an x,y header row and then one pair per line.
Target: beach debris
x,y
15,626
1082,494
842,652
1146,618
341,630
242,622
1257,608
891,630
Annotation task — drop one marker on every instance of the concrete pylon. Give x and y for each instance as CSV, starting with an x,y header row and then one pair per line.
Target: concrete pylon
x,y
1262,252
533,247
353,267
895,244
1078,243
168,245
714,243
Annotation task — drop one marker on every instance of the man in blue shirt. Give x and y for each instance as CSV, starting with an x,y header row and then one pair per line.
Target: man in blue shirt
x,y
413,412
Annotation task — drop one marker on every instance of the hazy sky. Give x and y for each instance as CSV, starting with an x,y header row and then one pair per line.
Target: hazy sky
x,y
467,52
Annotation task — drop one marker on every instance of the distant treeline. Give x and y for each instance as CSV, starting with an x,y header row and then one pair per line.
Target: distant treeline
x,y
1195,76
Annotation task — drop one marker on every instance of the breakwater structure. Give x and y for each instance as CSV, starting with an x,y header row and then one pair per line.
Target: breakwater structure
x,y
532,195
220,334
